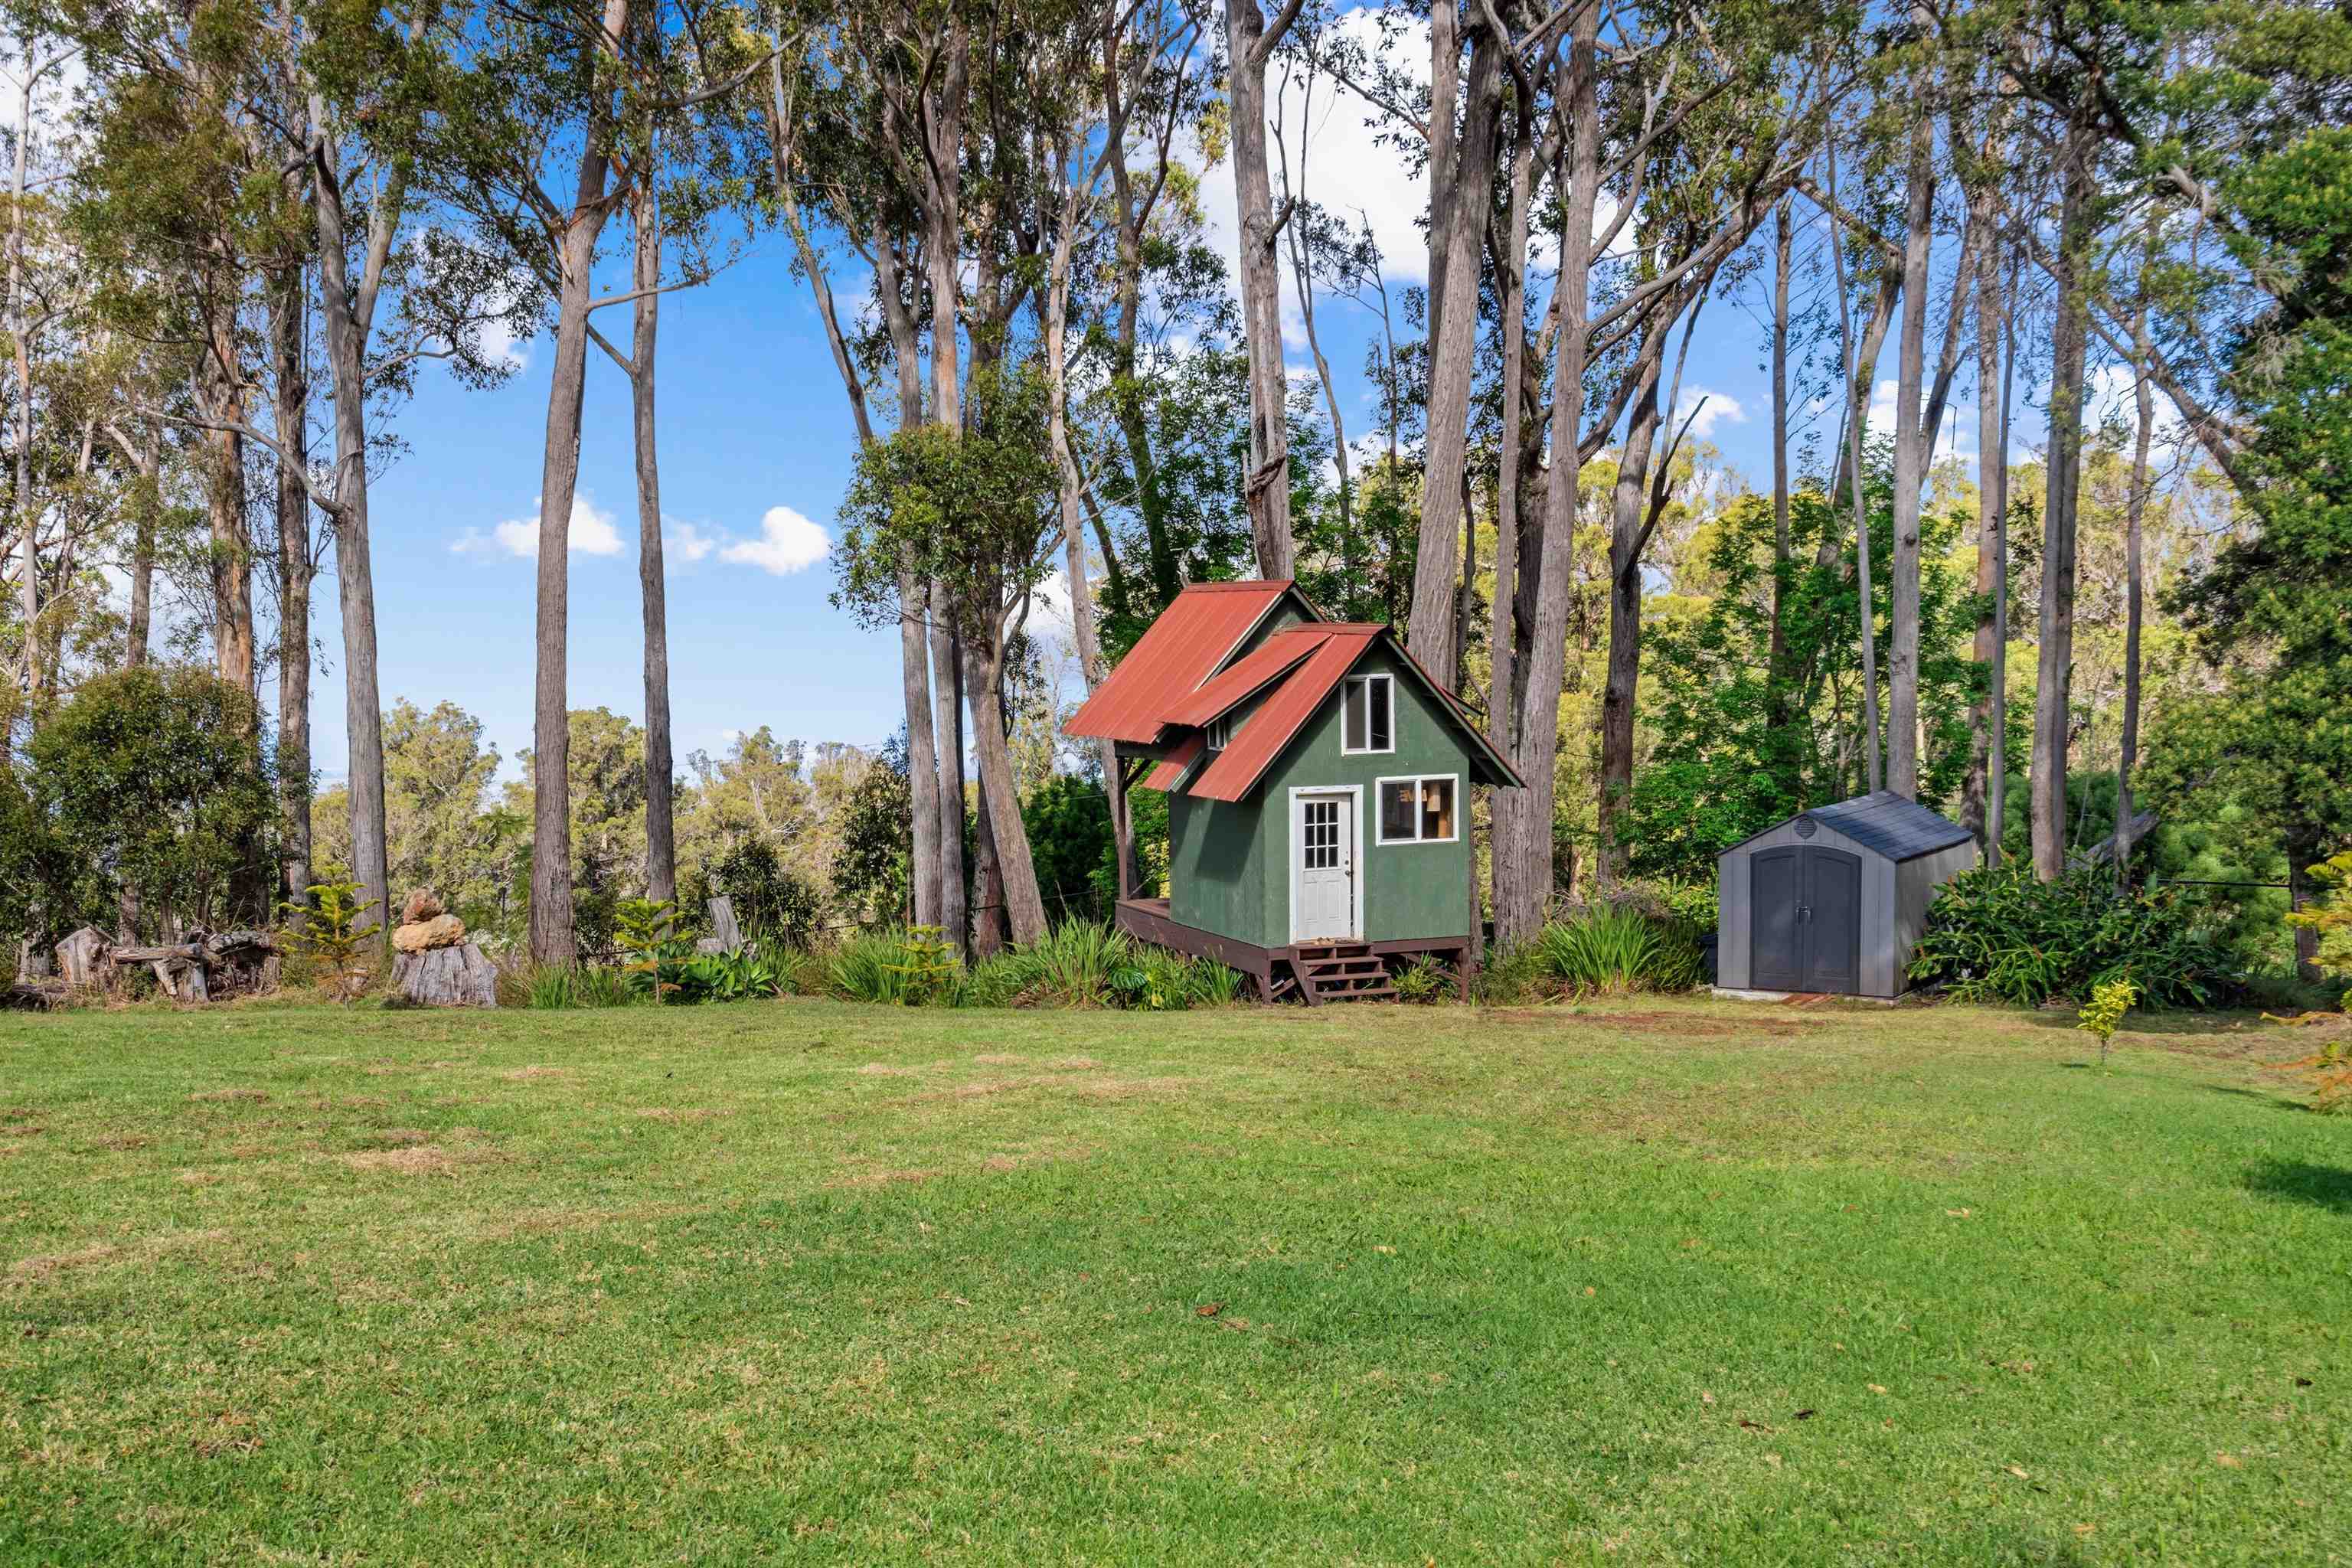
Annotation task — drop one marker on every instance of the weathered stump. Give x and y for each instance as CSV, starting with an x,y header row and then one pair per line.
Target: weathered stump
x,y
726,935
85,959
444,978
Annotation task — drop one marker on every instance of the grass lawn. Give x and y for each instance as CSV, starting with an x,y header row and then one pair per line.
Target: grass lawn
x,y
1643,1281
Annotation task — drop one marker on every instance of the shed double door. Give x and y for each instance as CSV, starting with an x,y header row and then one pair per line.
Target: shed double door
x,y
1806,920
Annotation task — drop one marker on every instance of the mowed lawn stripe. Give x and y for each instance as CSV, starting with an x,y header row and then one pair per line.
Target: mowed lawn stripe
x,y
1649,1281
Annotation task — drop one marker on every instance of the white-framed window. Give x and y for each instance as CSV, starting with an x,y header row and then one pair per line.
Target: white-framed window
x,y
1368,720
1423,810
1220,733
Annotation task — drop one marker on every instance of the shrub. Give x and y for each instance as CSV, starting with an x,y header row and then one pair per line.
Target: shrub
x,y
1621,949
2100,1015
910,968
1424,980
327,932
1998,934
558,986
1511,975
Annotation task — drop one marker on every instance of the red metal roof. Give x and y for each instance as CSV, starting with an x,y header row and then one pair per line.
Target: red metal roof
x,y
1187,645
1272,658
1172,767
1283,714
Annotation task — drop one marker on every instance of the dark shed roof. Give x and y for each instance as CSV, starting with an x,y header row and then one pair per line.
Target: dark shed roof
x,y
1895,827
1898,827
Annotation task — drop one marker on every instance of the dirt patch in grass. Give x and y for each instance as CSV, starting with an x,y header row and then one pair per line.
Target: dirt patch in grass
x,y
1004,1163
1074,1064
869,1180
664,1113
1004,1059
193,1178
525,1075
879,1070
250,1095
395,1138
1683,1024
33,1269
418,1158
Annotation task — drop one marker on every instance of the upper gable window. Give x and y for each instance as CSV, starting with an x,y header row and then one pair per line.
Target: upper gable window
x,y
1220,733
1369,724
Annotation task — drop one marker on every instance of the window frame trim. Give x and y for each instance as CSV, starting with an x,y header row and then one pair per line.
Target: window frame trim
x,y
1379,798
1347,692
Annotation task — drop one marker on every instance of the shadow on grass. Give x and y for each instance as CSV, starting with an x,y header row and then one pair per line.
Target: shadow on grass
x,y
2181,1022
2329,1186
2275,1101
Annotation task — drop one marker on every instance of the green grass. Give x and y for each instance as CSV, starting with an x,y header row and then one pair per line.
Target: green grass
x,y
1652,1281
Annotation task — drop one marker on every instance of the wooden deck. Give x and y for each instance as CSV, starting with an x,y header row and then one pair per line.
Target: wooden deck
x,y
1314,972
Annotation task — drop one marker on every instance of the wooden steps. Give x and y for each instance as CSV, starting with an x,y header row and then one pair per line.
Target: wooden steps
x,y
1341,972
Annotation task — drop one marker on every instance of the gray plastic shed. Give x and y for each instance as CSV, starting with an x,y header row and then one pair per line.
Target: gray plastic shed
x,y
1835,899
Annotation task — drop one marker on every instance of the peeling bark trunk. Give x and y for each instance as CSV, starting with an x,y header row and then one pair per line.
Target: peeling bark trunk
x,y
1523,854
661,827
1857,405
2052,697
2135,515
1025,907
1783,264
1628,534
1267,488
290,387
552,937
1462,175
1911,449
1992,552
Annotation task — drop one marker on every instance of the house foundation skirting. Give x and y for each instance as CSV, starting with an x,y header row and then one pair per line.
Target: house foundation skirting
x,y
1277,972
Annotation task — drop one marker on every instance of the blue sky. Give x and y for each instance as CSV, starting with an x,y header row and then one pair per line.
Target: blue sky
x,y
753,420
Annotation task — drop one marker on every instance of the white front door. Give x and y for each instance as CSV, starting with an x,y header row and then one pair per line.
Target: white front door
x,y
1323,867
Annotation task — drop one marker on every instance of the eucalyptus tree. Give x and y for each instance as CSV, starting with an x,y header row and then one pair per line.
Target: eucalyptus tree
x,y
1251,38
531,139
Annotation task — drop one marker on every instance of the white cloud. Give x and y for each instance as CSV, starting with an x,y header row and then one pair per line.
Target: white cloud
x,y
591,534
499,346
787,542
682,540
1719,408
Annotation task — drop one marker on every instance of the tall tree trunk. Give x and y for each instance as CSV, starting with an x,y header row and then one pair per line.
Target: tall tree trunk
x,y
1025,907
1512,267
1462,177
2070,337
1251,39
2135,517
1628,534
1992,564
28,587
1523,855
229,566
947,728
290,386
661,828
916,612
1911,452
347,311
988,922
1084,630
1857,405
552,937
1783,264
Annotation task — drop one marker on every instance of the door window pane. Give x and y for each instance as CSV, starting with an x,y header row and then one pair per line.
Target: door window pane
x,y
1437,808
1397,810
1320,835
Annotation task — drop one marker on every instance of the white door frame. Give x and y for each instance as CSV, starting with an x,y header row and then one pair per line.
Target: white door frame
x,y
1355,794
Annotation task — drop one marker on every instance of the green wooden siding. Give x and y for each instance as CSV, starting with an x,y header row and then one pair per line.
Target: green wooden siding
x,y
1229,865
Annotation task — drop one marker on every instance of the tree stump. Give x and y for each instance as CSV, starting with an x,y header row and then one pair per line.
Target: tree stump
x,y
725,936
444,978
84,960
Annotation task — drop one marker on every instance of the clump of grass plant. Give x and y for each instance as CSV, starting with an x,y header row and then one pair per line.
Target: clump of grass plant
x,y
1619,950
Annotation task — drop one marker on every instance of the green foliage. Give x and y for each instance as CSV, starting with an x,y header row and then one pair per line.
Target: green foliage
x,y
1147,820
2110,1000
1741,746
1996,934
559,986
2331,914
1068,821
152,780
1424,980
768,899
1619,950
328,931
873,874
910,968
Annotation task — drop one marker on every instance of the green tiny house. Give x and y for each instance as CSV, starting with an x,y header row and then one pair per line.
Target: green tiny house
x,y
1318,791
